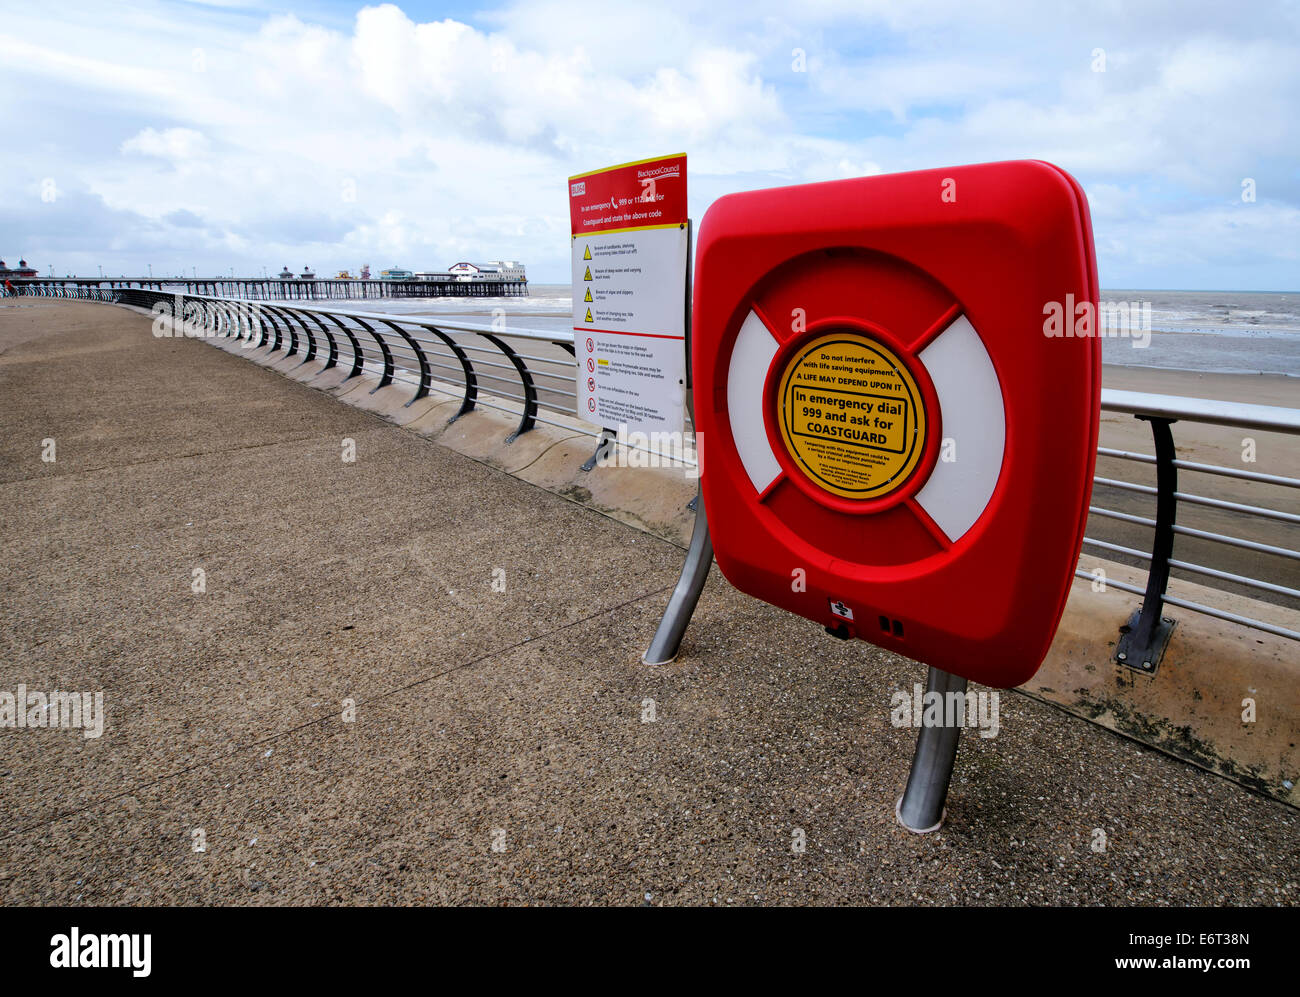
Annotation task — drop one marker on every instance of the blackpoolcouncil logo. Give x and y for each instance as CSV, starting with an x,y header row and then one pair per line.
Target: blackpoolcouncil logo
x,y
950,709
91,951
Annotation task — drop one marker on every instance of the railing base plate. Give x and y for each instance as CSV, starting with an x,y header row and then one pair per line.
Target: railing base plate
x,y
1143,659
602,448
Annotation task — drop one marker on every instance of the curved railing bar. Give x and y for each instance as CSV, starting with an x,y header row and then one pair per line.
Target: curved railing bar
x,y
301,319
311,340
276,321
267,319
470,398
198,322
176,310
249,326
216,321
187,311
242,325
387,378
293,336
235,322
426,375
211,312
329,338
358,358
529,418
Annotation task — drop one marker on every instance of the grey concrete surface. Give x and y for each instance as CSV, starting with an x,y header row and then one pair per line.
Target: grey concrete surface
x,y
481,717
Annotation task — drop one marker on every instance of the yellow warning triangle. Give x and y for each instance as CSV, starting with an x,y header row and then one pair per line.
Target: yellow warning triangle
x,y
588,276
586,253
588,297
589,318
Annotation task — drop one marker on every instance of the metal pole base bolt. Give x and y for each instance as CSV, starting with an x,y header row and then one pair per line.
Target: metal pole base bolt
x,y
920,809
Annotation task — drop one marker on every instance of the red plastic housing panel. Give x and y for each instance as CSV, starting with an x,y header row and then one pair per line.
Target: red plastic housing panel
x,y
897,384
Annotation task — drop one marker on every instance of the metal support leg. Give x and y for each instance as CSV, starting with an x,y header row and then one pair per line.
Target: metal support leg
x,y
681,606
920,808
607,438
1143,643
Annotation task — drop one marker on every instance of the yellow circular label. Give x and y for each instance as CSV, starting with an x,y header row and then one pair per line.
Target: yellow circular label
x,y
851,415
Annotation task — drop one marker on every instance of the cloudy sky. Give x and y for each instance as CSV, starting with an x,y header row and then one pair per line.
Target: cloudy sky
x,y
211,135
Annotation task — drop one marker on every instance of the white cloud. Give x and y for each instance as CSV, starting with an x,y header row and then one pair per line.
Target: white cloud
x,y
378,138
176,144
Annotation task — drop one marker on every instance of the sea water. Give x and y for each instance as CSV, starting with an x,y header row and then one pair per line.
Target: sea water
x,y
1228,331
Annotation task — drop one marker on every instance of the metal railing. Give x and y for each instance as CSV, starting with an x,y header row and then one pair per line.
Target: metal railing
x,y
422,351
1142,643
512,366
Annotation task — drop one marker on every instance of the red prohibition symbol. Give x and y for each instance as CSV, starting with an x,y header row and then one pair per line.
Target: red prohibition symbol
x,y
591,384
591,405
591,364
591,345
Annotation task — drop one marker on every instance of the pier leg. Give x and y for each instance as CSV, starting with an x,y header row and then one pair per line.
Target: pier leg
x,y
681,605
920,808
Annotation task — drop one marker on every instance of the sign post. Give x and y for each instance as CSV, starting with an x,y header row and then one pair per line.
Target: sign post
x,y
630,242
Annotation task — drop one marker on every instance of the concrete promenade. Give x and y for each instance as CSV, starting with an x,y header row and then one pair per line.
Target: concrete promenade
x,y
499,752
